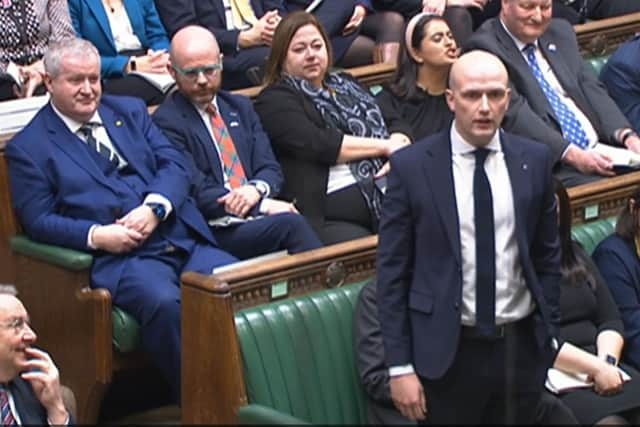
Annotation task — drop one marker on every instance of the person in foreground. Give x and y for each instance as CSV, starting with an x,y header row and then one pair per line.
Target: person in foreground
x,y
236,175
468,262
30,390
327,131
557,98
93,173
592,331
416,92
618,259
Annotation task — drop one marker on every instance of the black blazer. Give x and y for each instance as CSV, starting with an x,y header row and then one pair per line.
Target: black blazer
x,y
530,114
305,145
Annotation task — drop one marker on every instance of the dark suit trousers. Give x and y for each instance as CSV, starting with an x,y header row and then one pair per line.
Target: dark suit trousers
x,y
268,234
491,382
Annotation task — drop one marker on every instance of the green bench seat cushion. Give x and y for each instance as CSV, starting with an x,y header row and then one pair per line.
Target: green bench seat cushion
x,y
298,356
592,233
126,330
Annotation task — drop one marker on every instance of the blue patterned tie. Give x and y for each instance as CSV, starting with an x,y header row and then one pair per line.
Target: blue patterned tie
x,y
571,128
5,408
87,131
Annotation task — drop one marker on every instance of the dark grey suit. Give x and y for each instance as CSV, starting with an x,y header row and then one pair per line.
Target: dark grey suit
x,y
530,114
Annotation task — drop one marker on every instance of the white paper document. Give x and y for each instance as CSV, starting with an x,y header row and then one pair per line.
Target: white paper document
x,y
559,381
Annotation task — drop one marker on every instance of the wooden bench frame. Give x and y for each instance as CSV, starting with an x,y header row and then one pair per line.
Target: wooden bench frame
x,y
85,354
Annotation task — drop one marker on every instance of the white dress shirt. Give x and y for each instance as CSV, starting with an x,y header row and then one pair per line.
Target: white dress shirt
x,y
123,36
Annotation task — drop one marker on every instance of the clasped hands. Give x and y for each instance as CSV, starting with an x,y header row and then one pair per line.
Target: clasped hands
x,y
153,62
241,200
436,7
32,76
128,232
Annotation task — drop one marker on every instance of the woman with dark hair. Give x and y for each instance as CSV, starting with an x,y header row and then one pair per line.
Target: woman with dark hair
x,y
592,333
27,28
327,131
416,92
617,257
129,37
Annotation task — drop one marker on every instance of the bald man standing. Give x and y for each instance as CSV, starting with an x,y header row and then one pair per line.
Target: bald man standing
x,y
468,262
236,177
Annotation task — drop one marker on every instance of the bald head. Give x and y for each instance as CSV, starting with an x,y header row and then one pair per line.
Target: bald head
x,y
477,63
193,40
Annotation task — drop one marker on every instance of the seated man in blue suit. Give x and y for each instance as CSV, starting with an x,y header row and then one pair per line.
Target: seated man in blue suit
x,y
93,173
244,29
28,376
621,76
235,171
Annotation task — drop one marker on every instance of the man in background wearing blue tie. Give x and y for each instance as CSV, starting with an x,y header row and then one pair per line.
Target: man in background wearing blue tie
x,y
93,173
556,97
468,263
30,390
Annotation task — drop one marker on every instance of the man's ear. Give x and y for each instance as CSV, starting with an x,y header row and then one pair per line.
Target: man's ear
x,y
47,80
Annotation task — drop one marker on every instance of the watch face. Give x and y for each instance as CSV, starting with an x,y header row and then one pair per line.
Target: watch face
x,y
611,360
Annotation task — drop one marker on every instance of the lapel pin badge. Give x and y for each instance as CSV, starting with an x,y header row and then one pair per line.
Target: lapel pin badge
x,y
524,166
552,47
118,123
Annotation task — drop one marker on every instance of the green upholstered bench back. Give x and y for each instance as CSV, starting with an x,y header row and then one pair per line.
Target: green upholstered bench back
x,y
591,233
298,356
597,62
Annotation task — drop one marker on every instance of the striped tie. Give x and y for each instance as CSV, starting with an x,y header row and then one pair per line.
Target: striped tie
x,y
232,166
7,416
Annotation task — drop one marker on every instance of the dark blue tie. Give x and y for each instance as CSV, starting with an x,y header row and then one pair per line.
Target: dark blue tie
x,y
87,131
485,247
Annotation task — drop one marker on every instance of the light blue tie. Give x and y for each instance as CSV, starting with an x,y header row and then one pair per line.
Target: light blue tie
x,y
572,130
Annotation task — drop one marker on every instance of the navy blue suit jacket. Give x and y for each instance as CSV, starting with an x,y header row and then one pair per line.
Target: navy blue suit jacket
x,y
90,22
181,122
29,408
177,14
419,264
621,76
620,267
59,192
530,114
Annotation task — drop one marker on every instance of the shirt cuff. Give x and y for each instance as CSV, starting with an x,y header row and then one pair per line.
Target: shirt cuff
x,y
90,237
66,422
262,208
263,187
396,371
158,198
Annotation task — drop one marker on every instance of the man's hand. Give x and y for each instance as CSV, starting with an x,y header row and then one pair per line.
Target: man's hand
x,y
468,3
274,206
435,7
589,162
359,13
241,200
44,377
141,219
116,238
408,396
633,143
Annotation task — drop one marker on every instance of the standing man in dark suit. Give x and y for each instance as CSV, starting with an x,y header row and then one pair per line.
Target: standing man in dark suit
x,y
468,262
30,390
93,173
214,127
556,97
244,29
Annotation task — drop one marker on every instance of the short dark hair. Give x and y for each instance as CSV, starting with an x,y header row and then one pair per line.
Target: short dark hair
x,y
282,37
627,224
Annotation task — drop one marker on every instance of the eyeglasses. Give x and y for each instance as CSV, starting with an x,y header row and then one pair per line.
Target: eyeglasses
x,y
18,324
193,73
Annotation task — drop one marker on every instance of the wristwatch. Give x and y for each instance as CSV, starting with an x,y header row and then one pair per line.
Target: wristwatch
x,y
132,63
262,188
611,360
158,210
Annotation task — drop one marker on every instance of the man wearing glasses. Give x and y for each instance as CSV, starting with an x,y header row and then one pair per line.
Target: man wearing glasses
x,y
235,174
30,390
93,173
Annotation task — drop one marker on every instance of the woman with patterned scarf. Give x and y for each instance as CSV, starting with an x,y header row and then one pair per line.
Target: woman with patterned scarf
x,y
27,27
327,131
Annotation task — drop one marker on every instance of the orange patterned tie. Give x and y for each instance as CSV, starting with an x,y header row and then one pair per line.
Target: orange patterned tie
x,y
232,166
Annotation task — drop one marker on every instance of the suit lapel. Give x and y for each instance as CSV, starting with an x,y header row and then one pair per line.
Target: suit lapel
x,y
100,14
437,168
554,58
118,132
520,177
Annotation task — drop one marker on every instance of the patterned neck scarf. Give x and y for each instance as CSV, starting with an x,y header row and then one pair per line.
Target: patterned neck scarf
x,y
345,106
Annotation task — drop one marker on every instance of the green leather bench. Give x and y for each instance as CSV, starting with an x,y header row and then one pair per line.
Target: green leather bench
x,y
591,233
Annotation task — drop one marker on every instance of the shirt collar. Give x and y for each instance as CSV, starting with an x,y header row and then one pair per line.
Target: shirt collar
x,y
202,111
519,44
75,125
460,146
